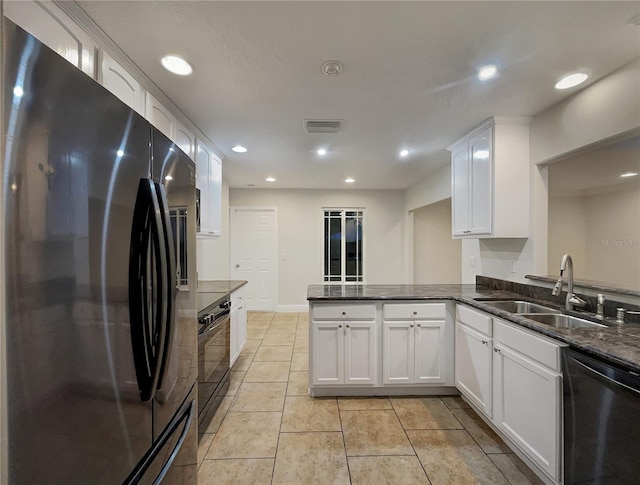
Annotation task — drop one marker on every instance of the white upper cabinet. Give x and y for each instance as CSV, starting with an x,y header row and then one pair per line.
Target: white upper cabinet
x,y
117,80
159,116
54,28
490,180
185,140
209,182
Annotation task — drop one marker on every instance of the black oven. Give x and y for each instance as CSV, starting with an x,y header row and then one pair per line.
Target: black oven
x,y
214,354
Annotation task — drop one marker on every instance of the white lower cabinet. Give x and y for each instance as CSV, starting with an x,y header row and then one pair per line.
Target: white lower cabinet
x,y
414,344
512,376
343,352
528,398
413,352
474,366
238,324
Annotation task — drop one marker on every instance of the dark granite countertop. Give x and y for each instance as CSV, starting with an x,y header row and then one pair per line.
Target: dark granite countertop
x,y
212,292
619,344
590,284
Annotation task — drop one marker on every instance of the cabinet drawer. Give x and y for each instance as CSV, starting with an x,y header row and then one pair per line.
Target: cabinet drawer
x,y
474,319
528,344
238,296
347,311
418,311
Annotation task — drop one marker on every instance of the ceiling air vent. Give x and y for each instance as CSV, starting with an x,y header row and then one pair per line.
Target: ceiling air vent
x,y
323,126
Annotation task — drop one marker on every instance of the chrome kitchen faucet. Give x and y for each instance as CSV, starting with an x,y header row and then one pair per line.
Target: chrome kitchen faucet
x,y
572,299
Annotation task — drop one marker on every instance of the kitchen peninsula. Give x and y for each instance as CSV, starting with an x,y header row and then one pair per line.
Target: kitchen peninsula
x,y
375,340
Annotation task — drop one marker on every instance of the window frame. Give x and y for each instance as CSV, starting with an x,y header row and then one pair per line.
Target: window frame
x,y
343,260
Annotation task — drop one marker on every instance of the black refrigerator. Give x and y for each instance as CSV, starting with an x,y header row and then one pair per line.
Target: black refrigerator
x,y
98,221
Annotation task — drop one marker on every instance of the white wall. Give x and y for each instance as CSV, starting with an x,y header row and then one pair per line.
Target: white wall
x,y
613,237
300,234
605,109
212,253
602,234
567,233
434,188
437,256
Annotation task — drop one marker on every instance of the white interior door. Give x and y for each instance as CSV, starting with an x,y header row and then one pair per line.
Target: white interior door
x,y
254,255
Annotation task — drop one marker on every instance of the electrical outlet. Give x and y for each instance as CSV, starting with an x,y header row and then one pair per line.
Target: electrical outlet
x,y
512,265
472,261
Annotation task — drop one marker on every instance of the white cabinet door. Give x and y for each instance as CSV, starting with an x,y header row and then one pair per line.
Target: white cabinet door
x,y
398,352
527,406
360,353
209,182
54,28
233,338
242,327
159,116
460,190
185,140
117,80
430,350
473,367
481,193
327,366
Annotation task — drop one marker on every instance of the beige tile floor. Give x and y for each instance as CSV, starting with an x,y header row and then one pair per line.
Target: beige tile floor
x,y
268,430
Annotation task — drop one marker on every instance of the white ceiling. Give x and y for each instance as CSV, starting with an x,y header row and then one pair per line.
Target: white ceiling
x,y
408,78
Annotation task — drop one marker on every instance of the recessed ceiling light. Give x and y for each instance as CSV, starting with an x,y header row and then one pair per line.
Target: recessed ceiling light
x,y
349,180
176,65
487,72
270,179
628,174
322,152
571,80
239,149
18,91
404,152
332,68
120,153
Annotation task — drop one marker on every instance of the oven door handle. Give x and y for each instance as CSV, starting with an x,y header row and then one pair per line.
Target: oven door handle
x,y
213,327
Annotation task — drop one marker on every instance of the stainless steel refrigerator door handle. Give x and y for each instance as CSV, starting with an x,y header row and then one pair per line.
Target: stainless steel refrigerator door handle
x,y
147,340
170,278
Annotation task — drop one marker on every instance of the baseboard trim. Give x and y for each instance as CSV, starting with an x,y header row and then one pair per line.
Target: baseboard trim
x,y
383,391
292,308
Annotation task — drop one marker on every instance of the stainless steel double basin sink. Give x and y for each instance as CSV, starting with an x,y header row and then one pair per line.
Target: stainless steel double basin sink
x,y
542,314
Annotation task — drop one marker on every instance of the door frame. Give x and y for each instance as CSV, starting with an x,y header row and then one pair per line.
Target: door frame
x,y
275,244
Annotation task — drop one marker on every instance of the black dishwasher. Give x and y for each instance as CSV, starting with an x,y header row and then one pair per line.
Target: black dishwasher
x,y
601,421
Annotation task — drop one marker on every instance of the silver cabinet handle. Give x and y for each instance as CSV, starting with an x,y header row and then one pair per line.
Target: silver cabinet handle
x,y
496,349
419,325
339,326
411,325
344,313
415,313
237,265
484,342
348,326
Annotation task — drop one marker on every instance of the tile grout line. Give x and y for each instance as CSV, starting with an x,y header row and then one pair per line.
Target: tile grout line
x,y
410,442
344,441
